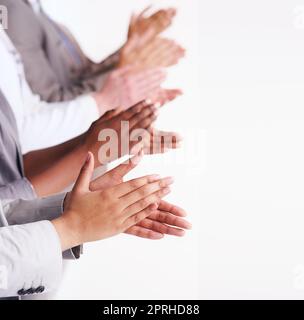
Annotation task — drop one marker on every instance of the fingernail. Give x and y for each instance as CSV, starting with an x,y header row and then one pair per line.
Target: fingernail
x,y
148,101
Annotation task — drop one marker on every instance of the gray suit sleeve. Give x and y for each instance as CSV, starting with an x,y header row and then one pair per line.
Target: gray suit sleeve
x,y
21,212
25,31
20,188
26,34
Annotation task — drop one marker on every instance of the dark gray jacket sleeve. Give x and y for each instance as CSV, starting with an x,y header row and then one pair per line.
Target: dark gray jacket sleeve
x,y
18,189
22,212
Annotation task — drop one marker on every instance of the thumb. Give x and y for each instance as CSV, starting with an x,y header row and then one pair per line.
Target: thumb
x,y
83,181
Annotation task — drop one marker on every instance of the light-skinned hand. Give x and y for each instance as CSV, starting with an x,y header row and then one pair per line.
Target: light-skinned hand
x,y
96,215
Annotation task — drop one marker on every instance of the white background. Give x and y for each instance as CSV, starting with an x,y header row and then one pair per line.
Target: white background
x,y
244,186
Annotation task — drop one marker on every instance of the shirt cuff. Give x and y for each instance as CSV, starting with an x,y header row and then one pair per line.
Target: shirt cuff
x,y
89,104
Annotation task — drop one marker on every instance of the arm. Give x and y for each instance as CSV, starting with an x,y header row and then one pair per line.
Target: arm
x,y
53,169
46,121
22,211
26,33
30,258
93,74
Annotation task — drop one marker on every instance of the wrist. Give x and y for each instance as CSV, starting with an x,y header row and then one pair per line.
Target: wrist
x,y
69,230
101,102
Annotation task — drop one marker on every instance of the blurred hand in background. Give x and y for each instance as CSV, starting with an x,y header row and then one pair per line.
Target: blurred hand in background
x,y
143,52
157,22
128,86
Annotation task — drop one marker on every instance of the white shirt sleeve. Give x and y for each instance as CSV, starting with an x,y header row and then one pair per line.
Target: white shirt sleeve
x,y
54,123
40,124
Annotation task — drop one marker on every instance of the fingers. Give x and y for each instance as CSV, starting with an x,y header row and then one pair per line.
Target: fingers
x,y
175,210
164,54
146,194
138,217
144,118
83,181
144,203
151,75
163,19
144,11
127,115
161,141
116,175
161,227
165,136
144,233
126,167
111,114
155,142
165,96
170,219
134,184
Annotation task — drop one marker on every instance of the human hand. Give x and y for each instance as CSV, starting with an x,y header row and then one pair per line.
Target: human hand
x,y
164,96
158,22
167,219
155,141
95,215
128,86
142,52
123,129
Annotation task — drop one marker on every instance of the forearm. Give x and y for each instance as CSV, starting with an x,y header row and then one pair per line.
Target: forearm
x,y
36,162
52,170
53,124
